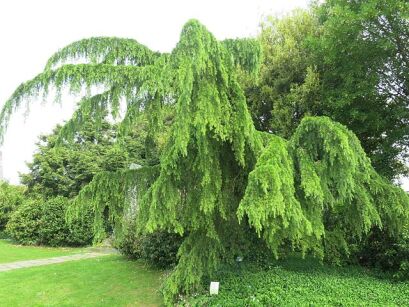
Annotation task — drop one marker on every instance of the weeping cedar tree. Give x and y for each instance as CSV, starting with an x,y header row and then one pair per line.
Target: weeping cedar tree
x,y
218,178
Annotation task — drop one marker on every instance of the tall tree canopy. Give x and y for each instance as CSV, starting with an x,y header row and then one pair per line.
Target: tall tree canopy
x,y
344,59
363,54
218,179
289,87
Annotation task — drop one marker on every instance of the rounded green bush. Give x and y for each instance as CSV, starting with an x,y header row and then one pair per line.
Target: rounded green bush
x,y
10,198
44,223
159,249
386,252
129,243
55,231
25,223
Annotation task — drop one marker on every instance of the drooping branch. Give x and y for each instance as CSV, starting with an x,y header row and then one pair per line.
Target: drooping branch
x,y
270,201
117,192
104,50
75,78
319,190
246,53
211,146
94,108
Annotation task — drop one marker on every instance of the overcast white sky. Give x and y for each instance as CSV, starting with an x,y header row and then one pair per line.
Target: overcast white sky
x,y
31,31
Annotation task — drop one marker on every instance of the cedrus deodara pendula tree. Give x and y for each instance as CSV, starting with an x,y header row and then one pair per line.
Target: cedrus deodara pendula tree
x,y
219,181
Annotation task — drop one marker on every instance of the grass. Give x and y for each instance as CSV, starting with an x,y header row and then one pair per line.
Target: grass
x,y
105,281
10,252
115,281
297,282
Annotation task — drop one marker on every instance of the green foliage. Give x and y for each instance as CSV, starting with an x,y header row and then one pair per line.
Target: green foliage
x,y
129,242
105,50
344,59
297,282
62,168
213,136
319,191
289,87
54,229
363,60
119,193
218,179
11,197
158,249
246,54
43,222
270,203
386,252
25,223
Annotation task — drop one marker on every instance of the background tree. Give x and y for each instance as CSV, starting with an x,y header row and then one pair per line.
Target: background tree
x,y
289,87
363,55
344,59
62,168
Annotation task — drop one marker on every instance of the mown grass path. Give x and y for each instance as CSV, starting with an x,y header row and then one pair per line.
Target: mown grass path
x,y
39,262
10,252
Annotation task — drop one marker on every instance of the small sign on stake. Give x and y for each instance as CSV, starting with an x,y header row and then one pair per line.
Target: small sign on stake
x,y
214,288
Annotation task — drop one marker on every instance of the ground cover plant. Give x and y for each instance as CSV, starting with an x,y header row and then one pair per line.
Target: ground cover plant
x,y
299,282
10,252
104,281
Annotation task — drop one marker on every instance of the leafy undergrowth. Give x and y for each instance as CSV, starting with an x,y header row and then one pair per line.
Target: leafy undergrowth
x,y
10,252
104,281
297,282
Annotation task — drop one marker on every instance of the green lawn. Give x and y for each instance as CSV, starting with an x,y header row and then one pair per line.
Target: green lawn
x,y
297,282
10,252
105,281
115,281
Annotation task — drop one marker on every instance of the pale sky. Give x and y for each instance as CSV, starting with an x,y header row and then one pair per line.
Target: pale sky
x,y
31,31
